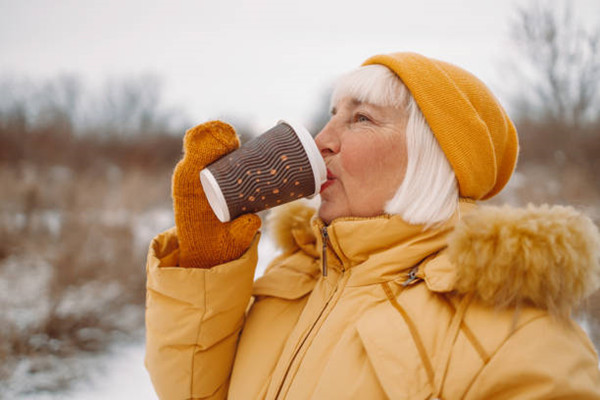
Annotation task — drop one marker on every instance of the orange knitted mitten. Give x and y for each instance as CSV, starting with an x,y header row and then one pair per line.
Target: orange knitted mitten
x,y
204,241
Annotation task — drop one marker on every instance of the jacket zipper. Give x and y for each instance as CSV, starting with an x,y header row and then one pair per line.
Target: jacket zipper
x,y
303,341
325,236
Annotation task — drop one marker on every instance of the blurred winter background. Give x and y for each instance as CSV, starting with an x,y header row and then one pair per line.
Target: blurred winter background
x,y
95,97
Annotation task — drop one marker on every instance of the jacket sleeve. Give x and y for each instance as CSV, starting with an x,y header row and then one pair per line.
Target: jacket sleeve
x,y
541,360
193,320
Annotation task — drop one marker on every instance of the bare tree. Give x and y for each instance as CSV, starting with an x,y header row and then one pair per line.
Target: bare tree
x,y
562,65
556,79
133,106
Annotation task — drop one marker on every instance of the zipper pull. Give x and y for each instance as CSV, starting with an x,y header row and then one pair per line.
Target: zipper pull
x,y
412,276
324,257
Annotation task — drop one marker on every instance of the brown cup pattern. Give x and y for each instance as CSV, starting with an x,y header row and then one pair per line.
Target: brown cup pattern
x,y
268,171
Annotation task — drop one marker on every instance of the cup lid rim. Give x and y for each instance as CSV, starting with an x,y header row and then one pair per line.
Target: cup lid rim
x,y
214,195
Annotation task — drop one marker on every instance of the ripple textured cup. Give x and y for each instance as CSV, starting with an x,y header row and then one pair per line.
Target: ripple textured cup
x,y
279,166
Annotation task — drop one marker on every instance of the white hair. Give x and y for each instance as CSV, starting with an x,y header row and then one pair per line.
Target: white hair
x,y
428,193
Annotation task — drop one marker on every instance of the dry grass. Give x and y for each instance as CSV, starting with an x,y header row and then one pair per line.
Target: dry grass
x,y
71,255
80,204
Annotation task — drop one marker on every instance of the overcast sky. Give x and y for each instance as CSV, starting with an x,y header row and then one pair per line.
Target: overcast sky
x,y
258,60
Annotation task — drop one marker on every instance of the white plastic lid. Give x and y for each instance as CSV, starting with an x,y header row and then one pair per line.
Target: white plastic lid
x,y
214,195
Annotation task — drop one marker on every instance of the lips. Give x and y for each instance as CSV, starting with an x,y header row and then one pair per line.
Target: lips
x,y
330,180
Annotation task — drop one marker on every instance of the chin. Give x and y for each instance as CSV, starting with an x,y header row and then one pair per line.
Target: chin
x,y
328,212
324,216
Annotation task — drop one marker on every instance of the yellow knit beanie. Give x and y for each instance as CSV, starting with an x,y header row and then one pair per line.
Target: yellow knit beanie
x,y
472,128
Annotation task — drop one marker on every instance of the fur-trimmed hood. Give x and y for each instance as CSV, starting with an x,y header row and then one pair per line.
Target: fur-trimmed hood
x,y
543,256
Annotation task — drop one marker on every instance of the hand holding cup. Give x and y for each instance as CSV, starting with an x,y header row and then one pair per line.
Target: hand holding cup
x,y
204,241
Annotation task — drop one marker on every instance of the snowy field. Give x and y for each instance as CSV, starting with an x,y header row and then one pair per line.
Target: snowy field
x,y
118,373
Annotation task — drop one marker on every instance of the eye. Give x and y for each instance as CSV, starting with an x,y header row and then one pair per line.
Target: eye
x,y
359,117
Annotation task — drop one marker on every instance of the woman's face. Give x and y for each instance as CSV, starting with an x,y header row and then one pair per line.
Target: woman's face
x,y
365,152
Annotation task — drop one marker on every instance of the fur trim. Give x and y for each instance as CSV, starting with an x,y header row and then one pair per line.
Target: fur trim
x,y
289,225
543,256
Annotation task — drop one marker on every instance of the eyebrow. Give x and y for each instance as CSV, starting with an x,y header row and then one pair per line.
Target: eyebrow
x,y
355,102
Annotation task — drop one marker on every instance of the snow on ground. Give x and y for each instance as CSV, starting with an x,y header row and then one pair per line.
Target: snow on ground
x,y
122,376
119,373
23,296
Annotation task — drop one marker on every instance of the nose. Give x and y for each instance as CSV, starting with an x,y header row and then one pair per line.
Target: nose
x,y
327,140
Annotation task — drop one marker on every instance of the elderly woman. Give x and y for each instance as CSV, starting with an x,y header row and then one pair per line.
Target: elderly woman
x,y
400,286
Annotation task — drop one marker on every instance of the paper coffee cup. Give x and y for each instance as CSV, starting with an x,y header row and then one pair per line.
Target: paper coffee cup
x,y
279,166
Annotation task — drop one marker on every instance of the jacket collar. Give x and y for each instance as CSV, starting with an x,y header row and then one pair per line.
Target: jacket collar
x,y
492,253
385,248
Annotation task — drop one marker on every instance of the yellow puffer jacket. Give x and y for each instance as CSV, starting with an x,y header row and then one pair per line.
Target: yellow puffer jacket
x,y
470,310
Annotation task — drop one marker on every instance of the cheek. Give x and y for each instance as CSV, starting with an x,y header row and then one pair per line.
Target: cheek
x,y
357,160
369,159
